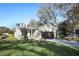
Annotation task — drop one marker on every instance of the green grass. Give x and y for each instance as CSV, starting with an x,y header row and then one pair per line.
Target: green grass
x,y
29,48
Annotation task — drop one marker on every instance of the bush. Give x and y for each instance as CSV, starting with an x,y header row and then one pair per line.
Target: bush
x,y
61,36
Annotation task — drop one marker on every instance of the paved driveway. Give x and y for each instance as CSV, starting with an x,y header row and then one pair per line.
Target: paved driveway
x,y
65,42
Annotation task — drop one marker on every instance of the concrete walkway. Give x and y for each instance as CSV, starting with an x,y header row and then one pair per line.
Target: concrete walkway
x,y
65,42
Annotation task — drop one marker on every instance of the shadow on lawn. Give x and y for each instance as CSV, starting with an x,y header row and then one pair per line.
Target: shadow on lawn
x,y
20,48
52,47
60,49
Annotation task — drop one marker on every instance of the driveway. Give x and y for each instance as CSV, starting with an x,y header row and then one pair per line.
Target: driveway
x,y
65,42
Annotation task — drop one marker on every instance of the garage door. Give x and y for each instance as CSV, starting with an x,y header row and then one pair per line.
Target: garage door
x,y
47,35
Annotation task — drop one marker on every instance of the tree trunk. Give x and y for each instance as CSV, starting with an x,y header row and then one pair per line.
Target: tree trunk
x,y
74,36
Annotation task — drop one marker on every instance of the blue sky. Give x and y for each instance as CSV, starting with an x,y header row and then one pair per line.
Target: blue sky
x,y
10,14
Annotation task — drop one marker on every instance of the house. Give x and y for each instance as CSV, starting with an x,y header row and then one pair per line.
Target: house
x,y
71,31
22,31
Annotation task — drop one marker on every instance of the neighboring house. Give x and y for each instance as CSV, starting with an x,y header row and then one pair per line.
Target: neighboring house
x,y
77,30
35,32
70,32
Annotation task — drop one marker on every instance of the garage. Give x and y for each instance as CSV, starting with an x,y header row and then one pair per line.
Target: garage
x,y
47,35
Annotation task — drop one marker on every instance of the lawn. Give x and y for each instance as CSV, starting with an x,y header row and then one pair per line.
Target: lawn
x,y
35,48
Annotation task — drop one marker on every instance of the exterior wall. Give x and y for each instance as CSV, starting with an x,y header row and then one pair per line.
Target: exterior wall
x,y
55,34
18,34
76,31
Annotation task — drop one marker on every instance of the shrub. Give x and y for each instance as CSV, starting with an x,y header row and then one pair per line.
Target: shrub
x,y
61,36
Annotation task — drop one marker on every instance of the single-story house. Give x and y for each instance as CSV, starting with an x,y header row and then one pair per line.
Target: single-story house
x,y
35,32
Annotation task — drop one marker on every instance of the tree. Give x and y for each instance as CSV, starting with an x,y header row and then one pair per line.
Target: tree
x,y
62,28
5,30
73,16
34,23
46,15
49,13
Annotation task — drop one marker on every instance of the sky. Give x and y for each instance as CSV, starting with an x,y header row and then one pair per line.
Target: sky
x,y
10,14
13,13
